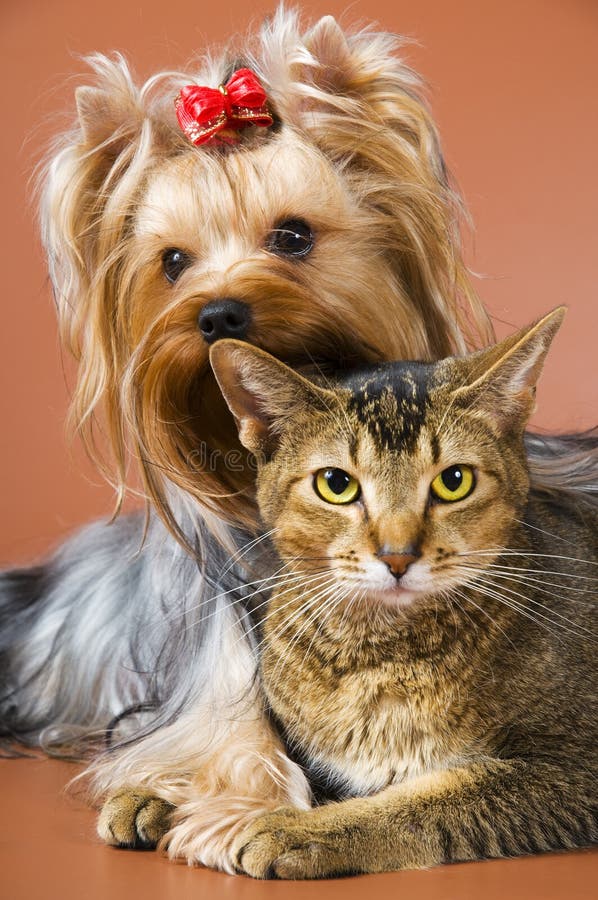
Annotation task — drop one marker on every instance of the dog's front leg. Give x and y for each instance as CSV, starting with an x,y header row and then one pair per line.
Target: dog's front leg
x,y
247,776
192,786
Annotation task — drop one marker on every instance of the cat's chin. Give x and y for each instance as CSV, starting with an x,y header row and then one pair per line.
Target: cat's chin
x,y
395,597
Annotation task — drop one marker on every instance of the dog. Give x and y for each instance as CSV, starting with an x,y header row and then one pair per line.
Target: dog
x,y
309,212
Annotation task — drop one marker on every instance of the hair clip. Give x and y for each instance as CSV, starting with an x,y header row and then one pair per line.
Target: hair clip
x,y
206,113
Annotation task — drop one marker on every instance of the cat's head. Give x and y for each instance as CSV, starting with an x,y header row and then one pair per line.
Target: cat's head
x,y
397,477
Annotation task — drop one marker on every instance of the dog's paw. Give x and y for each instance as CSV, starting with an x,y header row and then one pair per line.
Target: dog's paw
x,y
134,819
289,844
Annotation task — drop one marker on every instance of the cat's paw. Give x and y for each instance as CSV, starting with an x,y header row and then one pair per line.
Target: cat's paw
x,y
289,844
134,819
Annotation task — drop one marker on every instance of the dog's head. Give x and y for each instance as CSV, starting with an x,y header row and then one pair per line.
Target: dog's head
x,y
327,239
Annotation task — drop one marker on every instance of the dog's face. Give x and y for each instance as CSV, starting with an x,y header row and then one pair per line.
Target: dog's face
x,y
267,245
325,246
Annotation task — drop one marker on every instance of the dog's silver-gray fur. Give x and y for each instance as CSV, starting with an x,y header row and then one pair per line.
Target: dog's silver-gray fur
x,y
114,622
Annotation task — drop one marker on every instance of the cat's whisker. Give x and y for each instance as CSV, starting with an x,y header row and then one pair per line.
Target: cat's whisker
x,y
319,602
471,601
311,558
542,571
355,599
323,600
557,537
307,599
326,611
455,593
486,591
288,582
317,586
243,551
451,598
513,593
507,551
528,576
267,583
264,584
520,605
524,575
297,582
306,604
279,573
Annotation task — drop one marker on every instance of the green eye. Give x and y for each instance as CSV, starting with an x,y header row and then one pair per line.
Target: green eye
x,y
336,486
454,483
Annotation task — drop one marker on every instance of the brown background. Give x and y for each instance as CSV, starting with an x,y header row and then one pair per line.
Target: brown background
x,y
513,86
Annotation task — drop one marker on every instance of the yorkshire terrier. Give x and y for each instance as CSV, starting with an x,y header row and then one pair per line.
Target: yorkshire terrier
x,y
294,196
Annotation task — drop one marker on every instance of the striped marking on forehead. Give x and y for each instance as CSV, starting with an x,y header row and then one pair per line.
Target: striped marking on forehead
x,y
392,403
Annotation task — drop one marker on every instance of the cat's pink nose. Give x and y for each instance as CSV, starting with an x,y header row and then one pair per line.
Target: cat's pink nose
x,y
398,562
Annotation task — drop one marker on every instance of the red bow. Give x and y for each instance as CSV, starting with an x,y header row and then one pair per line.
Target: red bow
x,y
203,112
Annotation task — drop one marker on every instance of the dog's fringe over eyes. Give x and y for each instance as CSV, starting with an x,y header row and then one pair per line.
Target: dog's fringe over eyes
x,y
139,615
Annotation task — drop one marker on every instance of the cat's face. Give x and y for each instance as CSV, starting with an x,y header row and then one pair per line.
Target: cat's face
x,y
404,480
394,487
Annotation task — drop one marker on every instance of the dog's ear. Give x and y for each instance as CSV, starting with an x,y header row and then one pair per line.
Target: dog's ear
x,y
327,43
110,113
263,394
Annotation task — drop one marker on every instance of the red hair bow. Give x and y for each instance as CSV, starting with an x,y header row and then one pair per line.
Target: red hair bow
x,y
203,112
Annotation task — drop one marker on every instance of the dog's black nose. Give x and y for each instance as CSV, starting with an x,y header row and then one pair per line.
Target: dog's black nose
x,y
224,319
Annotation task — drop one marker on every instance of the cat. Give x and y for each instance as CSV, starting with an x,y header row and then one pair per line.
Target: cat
x,y
428,651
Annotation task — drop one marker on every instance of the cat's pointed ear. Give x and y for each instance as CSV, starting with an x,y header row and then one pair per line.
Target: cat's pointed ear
x,y
263,394
502,379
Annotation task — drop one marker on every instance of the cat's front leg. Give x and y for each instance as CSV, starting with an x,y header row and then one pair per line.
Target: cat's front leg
x,y
134,819
489,809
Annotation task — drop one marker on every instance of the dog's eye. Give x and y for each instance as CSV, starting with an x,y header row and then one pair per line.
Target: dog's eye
x,y
293,237
174,262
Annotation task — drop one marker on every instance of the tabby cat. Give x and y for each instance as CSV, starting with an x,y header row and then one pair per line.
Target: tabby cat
x,y
428,651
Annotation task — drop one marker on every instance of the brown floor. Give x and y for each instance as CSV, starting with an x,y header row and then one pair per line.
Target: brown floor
x,y
48,850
